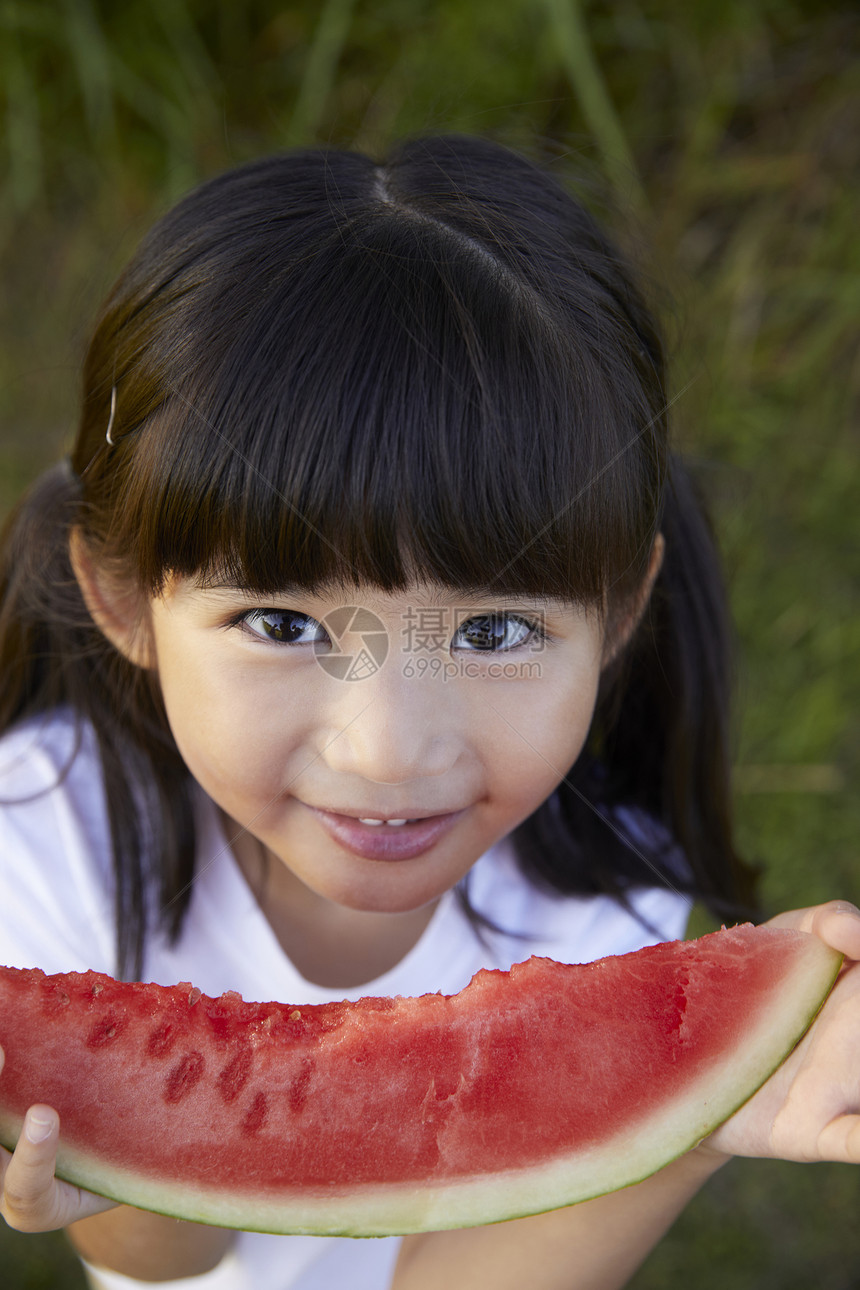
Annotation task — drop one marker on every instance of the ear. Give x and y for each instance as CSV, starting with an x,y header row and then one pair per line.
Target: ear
x,y
117,608
621,630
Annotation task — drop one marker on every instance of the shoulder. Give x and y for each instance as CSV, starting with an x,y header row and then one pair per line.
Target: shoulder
x,y
50,775
35,754
56,908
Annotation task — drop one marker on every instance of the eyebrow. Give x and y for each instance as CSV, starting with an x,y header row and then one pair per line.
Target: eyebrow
x,y
223,585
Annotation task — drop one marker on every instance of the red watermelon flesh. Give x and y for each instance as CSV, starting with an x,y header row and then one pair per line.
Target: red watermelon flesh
x,y
528,1090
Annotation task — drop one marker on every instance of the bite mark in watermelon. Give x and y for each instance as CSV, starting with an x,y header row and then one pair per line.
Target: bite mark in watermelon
x,y
528,1090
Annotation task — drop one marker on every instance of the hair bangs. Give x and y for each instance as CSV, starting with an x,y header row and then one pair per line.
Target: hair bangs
x,y
411,412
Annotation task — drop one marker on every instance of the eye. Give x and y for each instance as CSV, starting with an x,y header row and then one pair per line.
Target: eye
x,y
284,626
496,633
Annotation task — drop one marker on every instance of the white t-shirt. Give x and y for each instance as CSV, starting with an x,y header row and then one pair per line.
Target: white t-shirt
x,y
56,913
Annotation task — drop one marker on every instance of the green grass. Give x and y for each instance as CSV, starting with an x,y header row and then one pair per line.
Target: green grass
x,y
728,127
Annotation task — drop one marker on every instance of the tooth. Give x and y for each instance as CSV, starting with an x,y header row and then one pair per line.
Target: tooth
x,y
362,820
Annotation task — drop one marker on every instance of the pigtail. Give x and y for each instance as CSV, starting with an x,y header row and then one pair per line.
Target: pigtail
x,y
39,598
649,799
52,656
683,667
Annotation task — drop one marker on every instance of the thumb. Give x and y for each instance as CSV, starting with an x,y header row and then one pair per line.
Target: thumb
x,y
28,1182
837,923
33,1200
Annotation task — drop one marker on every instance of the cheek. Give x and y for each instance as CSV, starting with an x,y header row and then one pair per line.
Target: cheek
x,y
541,731
570,717
228,727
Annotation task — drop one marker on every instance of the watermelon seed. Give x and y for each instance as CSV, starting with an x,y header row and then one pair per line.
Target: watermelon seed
x,y
183,1076
193,996
104,1030
253,1121
161,1040
235,1075
297,1094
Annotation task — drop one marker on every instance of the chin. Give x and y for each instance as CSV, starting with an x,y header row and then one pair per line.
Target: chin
x,y
368,899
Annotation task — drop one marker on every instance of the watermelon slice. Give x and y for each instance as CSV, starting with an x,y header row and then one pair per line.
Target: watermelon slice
x,y
529,1090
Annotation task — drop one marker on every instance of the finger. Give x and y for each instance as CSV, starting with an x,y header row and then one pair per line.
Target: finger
x,y
33,1201
840,1140
837,923
29,1181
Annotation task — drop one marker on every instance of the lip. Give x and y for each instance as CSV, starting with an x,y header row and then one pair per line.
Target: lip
x,y
380,842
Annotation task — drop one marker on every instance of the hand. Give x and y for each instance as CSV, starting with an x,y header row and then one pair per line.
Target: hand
x,y
31,1198
809,1109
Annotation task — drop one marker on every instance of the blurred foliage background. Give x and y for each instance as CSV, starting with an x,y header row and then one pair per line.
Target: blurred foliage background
x,y
721,138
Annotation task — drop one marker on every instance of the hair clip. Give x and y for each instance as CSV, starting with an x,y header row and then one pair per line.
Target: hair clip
x,y
108,436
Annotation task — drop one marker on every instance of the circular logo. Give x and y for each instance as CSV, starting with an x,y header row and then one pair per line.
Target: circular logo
x,y
359,644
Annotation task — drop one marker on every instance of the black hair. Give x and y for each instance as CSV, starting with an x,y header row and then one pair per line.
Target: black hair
x,y
320,370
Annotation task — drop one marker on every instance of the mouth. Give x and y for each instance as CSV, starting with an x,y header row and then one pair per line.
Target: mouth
x,y
386,837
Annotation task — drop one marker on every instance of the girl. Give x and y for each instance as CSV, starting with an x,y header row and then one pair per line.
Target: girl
x,y
371,635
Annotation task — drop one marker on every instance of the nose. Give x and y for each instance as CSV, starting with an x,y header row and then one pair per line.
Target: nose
x,y
391,728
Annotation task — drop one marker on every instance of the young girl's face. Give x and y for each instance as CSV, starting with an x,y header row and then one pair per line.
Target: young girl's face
x,y
462,714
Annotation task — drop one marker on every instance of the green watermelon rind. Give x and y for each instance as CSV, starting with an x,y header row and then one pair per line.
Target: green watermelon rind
x,y
399,1209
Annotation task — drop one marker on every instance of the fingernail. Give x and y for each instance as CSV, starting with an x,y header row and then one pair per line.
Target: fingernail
x,y
38,1128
